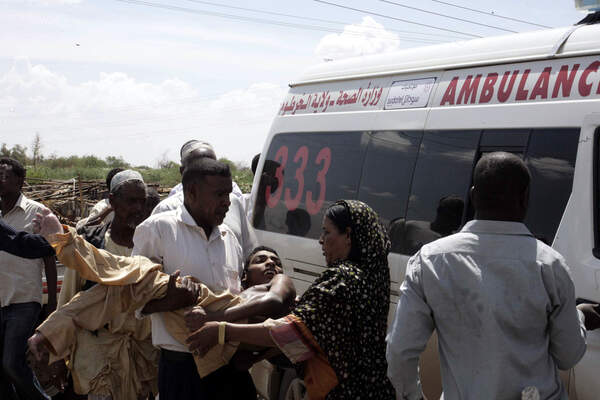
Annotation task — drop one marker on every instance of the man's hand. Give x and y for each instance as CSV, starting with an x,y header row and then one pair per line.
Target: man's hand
x,y
38,346
181,293
53,375
592,315
201,341
197,317
45,223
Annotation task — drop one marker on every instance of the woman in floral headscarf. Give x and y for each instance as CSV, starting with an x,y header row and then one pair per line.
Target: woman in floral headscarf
x,y
336,333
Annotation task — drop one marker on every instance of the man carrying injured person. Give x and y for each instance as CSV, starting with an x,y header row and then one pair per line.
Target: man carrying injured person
x,y
129,283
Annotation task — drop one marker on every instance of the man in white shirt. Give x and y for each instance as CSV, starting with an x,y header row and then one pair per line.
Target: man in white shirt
x,y
502,302
235,219
20,287
192,238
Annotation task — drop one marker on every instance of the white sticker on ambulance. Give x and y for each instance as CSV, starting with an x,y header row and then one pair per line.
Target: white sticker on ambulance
x,y
412,93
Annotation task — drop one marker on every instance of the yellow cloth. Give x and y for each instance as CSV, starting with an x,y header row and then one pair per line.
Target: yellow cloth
x,y
127,283
117,359
72,284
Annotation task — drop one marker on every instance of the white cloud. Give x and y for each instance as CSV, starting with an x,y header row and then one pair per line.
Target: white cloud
x,y
55,35
367,37
119,115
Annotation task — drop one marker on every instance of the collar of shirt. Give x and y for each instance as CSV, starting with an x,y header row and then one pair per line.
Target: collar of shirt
x,y
496,227
21,203
184,216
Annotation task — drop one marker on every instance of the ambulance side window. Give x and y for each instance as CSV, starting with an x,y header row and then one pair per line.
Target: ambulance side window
x,y
439,189
387,174
303,174
550,158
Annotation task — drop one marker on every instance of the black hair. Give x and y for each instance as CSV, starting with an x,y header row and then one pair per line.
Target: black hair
x,y
298,222
111,174
249,258
339,214
254,164
500,176
197,169
152,196
17,167
451,206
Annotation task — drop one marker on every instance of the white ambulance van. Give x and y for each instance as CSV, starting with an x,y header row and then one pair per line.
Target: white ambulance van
x,y
403,131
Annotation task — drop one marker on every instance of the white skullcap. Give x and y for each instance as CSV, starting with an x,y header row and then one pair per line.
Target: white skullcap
x,y
124,176
193,145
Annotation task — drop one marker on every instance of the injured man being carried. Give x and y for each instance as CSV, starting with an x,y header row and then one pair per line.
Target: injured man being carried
x,y
127,284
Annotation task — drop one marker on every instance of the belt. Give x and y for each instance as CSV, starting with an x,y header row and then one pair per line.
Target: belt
x,y
176,356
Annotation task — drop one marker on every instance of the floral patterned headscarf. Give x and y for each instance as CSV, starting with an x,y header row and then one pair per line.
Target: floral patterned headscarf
x,y
368,234
346,310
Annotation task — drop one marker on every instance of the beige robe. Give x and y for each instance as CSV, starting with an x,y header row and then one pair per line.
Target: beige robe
x,y
126,284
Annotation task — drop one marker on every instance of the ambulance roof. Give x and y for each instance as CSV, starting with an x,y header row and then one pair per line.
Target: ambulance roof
x,y
537,45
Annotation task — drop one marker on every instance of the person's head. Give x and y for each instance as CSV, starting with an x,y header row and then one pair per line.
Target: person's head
x,y
261,265
298,222
12,176
352,232
206,188
336,236
500,187
128,198
449,215
111,174
254,164
193,150
152,199
268,179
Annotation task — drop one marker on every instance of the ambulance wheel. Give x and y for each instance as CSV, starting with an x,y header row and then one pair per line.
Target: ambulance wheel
x,y
292,387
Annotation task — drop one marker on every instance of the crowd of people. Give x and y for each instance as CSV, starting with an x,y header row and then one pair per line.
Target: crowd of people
x,y
177,299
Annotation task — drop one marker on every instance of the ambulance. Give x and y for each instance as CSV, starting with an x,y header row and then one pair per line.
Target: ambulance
x,y
403,131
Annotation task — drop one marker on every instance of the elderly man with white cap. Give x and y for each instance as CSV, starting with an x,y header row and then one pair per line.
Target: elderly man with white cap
x,y
117,361
194,149
236,218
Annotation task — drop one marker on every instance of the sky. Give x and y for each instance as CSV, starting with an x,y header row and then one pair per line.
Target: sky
x,y
137,79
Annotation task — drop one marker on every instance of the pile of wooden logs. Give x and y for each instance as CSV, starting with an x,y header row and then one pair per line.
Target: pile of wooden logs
x,y
68,199
71,199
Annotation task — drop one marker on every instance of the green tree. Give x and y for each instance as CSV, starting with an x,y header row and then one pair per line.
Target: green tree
x,y
36,150
116,162
231,164
17,152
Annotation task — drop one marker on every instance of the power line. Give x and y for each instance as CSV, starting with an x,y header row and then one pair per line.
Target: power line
x,y
327,21
448,16
263,21
491,14
394,18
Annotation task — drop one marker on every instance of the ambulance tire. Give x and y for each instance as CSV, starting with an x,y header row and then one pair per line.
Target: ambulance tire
x,y
292,387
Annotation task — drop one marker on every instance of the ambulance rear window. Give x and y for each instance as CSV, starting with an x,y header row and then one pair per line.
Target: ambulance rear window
x,y
303,174
551,160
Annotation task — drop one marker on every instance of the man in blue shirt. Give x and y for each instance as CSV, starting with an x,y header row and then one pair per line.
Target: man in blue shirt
x,y
23,244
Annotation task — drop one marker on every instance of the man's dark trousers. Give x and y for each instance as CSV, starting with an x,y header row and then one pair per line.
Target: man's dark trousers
x,y
178,379
17,323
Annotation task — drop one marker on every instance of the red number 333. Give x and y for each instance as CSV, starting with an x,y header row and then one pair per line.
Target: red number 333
x,y
301,157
